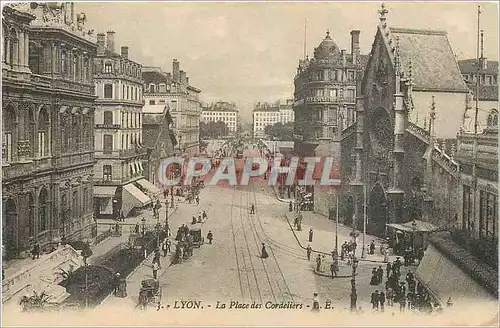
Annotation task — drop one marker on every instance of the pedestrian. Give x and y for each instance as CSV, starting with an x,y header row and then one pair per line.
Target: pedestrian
x,y
343,250
290,206
210,236
310,235
164,248
165,193
193,221
36,250
315,305
156,257
375,299
264,254
380,274
308,250
205,216
116,283
381,298
318,263
155,270
388,269
334,268
389,294
197,200
372,247
402,303
252,209
199,218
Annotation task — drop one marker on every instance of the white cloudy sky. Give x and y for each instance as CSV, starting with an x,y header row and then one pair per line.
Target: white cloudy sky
x,y
248,51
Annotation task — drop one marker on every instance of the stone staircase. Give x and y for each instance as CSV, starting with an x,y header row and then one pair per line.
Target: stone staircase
x,y
40,275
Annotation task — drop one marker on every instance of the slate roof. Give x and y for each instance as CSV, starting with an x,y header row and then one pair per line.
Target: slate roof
x,y
434,65
155,77
468,66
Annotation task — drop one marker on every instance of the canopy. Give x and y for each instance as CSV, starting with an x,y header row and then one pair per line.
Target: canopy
x,y
419,226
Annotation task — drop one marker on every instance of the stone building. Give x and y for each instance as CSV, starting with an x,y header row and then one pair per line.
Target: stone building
x,y
325,103
407,101
162,88
119,150
159,139
48,125
221,111
487,92
265,114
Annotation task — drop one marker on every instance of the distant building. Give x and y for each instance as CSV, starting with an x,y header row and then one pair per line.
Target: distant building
x,y
265,114
222,111
119,148
159,139
488,91
162,88
48,126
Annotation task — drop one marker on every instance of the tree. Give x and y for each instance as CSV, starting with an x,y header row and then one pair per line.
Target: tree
x,y
213,130
280,131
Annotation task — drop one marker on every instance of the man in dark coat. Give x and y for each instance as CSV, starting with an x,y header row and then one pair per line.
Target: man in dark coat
x,y
310,235
381,298
36,250
375,299
372,247
309,250
380,274
210,236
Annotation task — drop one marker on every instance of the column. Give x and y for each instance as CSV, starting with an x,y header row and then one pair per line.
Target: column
x,y
21,59
7,51
26,49
15,52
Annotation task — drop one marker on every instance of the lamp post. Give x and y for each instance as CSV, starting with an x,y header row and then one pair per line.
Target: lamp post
x,y
336,226
86,253
364,222
166,216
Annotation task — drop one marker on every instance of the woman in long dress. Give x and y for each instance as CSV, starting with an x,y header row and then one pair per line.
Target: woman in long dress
x,y
264,254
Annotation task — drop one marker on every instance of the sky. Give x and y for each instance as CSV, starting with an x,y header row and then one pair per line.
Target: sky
x,y
248,51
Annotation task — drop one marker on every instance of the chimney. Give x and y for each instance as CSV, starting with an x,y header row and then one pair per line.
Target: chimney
x,y
101,43
344,58
182,77
124,52
355,45
175,70
110,42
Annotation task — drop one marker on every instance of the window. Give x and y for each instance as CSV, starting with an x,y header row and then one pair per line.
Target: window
x,y
493,118
8,126
136,119
466,77
488,204
108,68
174,105
152,102
75,68
85,73
75,205
162,88
42,210
151,88
85,202
107,144
123,141
467,223
64,64
161,101
136,94
123,92
106,173
108,117
489,79
108,91
128,92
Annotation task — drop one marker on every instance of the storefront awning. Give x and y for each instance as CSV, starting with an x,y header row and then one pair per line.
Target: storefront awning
x,y
151,188
419,226
133,197
103,191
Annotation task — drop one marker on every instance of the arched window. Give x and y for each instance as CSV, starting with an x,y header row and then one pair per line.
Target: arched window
x,y
493,118
43,133
42,210
85,73
76,131
34,59
108,117
126,142
76,69
8,119
108,68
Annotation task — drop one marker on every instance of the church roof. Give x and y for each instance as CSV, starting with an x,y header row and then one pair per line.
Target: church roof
x,y
434,66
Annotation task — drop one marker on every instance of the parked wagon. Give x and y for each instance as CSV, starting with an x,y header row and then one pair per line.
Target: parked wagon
x,y
198,238
150,293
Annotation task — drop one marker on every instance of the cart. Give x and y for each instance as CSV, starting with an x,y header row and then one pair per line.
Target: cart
x,y
150,293
198,239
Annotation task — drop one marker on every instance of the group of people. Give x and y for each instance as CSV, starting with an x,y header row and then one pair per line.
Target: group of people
x,y
201,217
348,249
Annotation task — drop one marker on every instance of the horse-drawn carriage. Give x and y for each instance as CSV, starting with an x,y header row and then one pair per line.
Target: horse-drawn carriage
x,y
197,237
150,293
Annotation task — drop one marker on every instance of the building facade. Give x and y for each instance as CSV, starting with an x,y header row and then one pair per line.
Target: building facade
x,y
119,148
406,103
222,111
265,114
159,139
162,88
48,125
487,92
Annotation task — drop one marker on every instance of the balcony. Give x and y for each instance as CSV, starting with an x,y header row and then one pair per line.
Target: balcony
x,y
108,126
132,152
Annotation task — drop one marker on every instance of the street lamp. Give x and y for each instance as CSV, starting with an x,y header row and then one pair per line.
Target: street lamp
x,y
166,216
86,253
